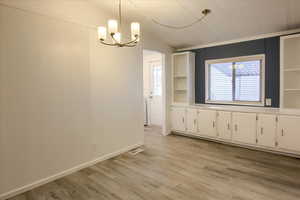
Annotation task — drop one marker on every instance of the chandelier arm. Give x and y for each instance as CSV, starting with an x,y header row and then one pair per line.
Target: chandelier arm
x,y
133,41
109,44
130,45
112,36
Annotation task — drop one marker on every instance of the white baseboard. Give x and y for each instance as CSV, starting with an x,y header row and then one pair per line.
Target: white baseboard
x,y
242,145
65,173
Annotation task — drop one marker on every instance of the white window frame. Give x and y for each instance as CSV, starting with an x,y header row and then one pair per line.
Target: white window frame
x,y
238,59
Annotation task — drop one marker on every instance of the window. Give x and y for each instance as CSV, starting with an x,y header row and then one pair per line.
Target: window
x,y
236,80
156,80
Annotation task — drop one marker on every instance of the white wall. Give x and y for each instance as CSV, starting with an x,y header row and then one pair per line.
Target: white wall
x,y
65,99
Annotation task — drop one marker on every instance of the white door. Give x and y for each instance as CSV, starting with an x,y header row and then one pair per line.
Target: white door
x,y
178,119
288,133
155,96
191,120
224,125
266,130
207,123
244,127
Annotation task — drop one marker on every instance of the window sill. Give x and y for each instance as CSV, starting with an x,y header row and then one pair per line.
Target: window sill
x,y
238,108
241,103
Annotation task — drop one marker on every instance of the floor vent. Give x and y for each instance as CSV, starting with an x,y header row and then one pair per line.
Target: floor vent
x,y
136,151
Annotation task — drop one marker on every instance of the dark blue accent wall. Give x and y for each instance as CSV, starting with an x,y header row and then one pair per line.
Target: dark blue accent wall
x,y
268,46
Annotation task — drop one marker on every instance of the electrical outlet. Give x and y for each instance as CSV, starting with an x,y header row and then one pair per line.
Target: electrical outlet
x,y
268,102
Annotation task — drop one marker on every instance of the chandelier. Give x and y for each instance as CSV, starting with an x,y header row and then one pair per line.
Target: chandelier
x,y
114,31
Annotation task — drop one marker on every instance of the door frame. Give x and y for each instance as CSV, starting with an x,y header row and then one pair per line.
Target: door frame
x,y
164,90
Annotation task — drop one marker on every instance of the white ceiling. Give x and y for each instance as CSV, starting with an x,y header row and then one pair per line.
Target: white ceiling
x,y
230,19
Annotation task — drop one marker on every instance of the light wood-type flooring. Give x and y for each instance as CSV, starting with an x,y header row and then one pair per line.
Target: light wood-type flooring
x,y
180,168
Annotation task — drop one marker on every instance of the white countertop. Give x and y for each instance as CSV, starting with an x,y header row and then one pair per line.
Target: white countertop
x,y
232,108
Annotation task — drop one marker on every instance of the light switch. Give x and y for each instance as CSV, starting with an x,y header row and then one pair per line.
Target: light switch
x,y
268,102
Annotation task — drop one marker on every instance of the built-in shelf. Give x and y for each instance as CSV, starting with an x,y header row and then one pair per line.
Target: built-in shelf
x,y
180,76
292,70
183,71
292,90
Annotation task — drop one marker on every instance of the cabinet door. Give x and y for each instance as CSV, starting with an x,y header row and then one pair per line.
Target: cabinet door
x,y
224,125
178,119
289,133
244,130
191,120
266,130
207,123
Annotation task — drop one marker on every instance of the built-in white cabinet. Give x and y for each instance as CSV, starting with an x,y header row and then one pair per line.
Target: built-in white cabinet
x,y
288,133
262,130
244,130
178,119
183,73
191,120
207,123
224,126
266,130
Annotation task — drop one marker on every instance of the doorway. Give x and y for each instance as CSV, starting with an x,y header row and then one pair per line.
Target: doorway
x,y
153,74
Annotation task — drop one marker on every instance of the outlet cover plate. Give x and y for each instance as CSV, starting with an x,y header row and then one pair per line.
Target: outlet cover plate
x,y
268,102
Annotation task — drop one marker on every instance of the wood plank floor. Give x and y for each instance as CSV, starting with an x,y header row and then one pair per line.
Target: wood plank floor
x,y
180,168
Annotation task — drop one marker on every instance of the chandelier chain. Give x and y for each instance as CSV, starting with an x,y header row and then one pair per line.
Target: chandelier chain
x,y
204,12
179,27
120,14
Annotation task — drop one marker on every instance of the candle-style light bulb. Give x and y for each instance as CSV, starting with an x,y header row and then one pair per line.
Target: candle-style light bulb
x,y
112,26
135,30
102,33
117,37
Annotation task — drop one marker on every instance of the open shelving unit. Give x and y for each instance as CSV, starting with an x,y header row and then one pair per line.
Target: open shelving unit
x,y
290,71
183,72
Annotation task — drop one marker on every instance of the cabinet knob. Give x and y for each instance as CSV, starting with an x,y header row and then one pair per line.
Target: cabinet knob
x,y
228,126
214,124
282,132
261,130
